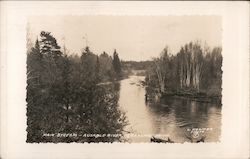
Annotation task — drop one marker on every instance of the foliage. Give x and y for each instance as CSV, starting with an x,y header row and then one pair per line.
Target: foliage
x,y
195,69
64,96
107,71
117,64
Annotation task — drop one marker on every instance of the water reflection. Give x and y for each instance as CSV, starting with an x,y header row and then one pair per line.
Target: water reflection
x,y
171,117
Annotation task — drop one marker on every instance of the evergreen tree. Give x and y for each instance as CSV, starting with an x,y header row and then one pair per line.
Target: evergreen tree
x,y
33,97
88,67
49,45
117,64
63,95
97,70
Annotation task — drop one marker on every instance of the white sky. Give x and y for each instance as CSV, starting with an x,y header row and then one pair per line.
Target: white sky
x,y
134,37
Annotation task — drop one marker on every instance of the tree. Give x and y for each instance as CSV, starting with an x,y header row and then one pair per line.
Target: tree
x,y
45,62
117,64
195,69
88,67
190,64
63,95
34,66
97,69
107,72
48,45
33,97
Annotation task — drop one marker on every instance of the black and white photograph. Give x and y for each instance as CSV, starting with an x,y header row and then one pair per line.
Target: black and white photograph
x,y
124,79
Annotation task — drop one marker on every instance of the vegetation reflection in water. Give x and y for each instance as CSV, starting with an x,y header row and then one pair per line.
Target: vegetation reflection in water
x,y
171,117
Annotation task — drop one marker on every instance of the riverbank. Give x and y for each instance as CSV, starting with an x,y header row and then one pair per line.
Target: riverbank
x,y
196,96
188,94
171,116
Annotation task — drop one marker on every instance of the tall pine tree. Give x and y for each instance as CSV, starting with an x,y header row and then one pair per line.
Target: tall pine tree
x,y
117,64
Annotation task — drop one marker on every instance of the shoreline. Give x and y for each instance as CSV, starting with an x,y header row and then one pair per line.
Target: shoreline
x,y
195,97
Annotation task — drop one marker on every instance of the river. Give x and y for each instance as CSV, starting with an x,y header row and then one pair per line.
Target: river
x,y
174,118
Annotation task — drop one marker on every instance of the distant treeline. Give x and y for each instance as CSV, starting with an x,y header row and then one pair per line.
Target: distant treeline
x,y
194,71
136,65
67,94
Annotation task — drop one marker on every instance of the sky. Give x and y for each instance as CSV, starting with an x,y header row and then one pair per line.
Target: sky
x,y
134,37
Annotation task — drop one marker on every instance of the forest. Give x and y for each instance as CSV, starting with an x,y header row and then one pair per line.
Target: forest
x,y
79,93
69,94
194,72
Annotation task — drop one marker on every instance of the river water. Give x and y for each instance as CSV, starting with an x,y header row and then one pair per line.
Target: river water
x,y
174,118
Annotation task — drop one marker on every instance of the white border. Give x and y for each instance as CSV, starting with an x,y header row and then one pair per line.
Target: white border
x,y
235,118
